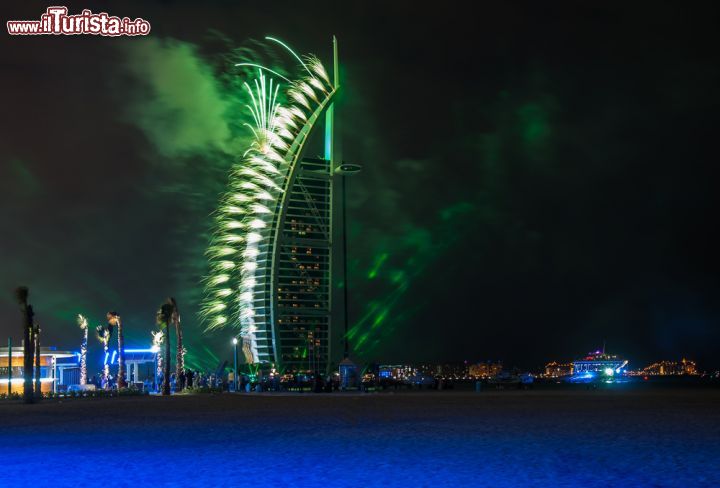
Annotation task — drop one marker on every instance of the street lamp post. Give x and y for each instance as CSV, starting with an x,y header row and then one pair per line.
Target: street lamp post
x,y
235,357
344,170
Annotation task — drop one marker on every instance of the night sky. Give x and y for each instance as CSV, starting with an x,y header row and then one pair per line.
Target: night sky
x,y
537,178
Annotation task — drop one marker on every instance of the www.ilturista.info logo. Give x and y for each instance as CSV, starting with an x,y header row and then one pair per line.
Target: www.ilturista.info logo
x,y
56,21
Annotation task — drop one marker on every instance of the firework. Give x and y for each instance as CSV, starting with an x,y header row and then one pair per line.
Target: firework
x,y
244,242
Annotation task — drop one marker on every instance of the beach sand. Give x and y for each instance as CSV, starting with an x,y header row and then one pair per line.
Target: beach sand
x,y
542,437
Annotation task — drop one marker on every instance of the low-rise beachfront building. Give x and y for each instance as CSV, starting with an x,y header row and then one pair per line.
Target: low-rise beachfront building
x,y
486,369
671,368
396,372
56,368
140,364
558,370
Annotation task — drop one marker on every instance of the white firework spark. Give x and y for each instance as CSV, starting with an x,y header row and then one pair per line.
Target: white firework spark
x,y
241,247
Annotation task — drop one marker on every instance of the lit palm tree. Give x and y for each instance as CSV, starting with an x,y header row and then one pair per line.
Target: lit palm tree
x,y
103,334
180,356
164,320
83,323
157,343
22,297
36,344
114,319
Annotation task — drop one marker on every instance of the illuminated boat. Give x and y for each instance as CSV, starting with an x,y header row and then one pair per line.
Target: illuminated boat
x,y
598,366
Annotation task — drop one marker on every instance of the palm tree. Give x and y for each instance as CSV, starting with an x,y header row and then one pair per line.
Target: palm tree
x,y
83,323
180,356
103,334
36,341
165,316
157,342
21,294
114,319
